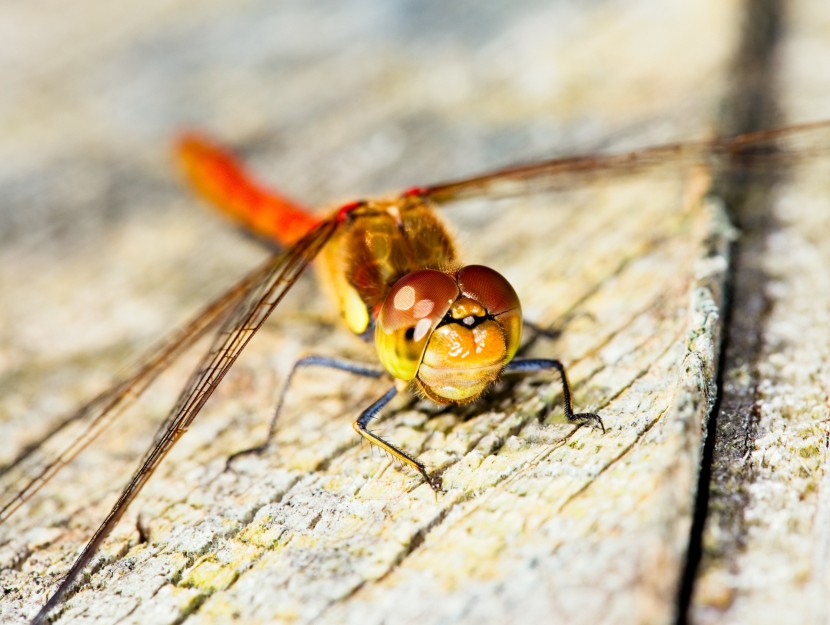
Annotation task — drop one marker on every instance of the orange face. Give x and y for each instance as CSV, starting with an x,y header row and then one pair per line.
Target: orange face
x,y
452,333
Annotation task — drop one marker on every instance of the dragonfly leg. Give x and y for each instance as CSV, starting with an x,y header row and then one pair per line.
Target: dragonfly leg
x,y
544,364
360,426
540,331
537,331
340,364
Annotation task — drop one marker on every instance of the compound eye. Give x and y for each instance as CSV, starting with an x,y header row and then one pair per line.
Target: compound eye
x,y
496,294
414,307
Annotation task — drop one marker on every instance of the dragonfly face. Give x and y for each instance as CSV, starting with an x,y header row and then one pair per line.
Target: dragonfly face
x,y
450,332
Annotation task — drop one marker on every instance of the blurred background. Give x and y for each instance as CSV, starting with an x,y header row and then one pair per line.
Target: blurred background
x,y
326,100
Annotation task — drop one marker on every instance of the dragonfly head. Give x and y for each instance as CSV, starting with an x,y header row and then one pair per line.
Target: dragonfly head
x,y
450,332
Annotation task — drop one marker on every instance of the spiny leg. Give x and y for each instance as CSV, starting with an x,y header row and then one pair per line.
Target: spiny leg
x,y
360,426
339,364
544,364
538,331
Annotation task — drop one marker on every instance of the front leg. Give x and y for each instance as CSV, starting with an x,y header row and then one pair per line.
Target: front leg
x,y
544,364
360,426
338,364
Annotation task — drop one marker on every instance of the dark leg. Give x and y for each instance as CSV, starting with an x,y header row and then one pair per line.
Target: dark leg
x,y
537,331
544,364
370,413
309,361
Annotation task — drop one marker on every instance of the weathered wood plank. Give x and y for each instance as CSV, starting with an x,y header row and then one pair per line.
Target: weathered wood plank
x,y
331,102
765,544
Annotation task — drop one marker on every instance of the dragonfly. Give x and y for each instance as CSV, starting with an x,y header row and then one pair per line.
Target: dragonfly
x,y
442,330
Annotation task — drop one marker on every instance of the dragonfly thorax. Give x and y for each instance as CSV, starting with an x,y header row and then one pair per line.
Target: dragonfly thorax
x,y
450,332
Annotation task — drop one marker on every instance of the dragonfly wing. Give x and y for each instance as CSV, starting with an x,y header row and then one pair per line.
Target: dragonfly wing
x,y
254,307
30,465
757,152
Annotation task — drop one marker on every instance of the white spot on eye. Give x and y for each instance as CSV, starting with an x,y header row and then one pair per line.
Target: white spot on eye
x,y
405,298
421,329
423,308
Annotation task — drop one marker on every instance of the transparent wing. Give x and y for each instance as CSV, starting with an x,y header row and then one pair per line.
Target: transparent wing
x,y
29,466
757,152
259,299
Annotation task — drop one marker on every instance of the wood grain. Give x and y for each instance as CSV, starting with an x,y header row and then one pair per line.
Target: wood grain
x,y
765,542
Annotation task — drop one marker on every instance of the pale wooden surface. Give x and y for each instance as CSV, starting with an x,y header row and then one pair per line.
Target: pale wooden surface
x,y
102,251
766,544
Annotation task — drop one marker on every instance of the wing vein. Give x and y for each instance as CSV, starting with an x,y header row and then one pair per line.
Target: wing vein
x,y
261,298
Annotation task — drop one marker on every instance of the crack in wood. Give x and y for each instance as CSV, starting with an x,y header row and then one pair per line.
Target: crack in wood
x,y
724,473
